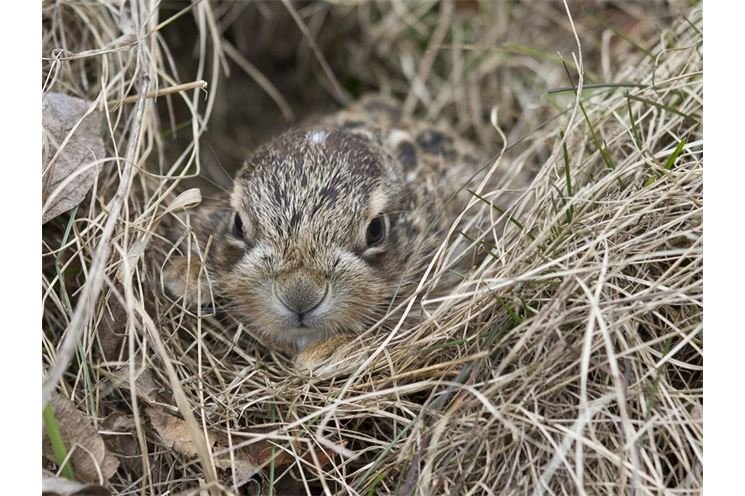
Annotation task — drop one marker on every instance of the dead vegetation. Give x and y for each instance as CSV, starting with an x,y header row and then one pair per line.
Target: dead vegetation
x,y
569,362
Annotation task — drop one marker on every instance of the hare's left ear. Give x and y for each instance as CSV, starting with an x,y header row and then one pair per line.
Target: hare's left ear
x,y
186,277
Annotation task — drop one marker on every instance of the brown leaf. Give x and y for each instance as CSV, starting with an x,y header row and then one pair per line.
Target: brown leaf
x,y
112,330
88,452
241,467
246,462
146,386
322,456
69,164
120,435
51,485
174,432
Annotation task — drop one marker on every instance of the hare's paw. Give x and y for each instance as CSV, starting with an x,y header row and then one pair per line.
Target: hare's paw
x,y
332,356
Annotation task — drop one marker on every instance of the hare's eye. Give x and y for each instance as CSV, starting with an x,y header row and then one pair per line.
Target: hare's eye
x,y
238,227
376,231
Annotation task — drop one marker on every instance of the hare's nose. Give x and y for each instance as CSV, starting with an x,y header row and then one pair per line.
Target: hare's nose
x,y
300,292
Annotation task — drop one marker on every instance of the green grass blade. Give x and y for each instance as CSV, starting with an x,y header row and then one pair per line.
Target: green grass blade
x,y
594,86
58,445
688,118
541,55
670,162
604,155
568,177
634,128
516,320
374,484
676,153
595,139
274,455
567,168
501,211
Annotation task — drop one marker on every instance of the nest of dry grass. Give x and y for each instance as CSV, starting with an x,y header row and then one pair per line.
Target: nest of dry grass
x,y
569,361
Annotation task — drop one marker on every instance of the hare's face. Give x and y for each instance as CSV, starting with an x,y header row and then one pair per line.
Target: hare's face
x,y
320,218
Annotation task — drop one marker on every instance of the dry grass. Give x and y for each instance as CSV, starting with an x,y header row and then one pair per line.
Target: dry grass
x,y
569,362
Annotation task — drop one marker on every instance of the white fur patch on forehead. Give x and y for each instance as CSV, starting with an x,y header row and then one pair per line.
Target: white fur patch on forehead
x,y
396,136
378,201
316,137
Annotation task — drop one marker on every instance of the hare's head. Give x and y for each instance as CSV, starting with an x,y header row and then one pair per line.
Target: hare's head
x,y
319,237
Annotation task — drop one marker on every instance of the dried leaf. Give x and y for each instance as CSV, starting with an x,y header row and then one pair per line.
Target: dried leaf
x,y
112,330
67,171
51,485
120,435
241,468
88,452
246,462
119,423
147,388
324,457
173,431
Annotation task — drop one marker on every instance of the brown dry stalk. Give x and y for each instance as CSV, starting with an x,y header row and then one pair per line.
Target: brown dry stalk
x,y
201,85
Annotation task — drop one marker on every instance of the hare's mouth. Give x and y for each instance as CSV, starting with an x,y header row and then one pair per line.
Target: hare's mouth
x,y
315,318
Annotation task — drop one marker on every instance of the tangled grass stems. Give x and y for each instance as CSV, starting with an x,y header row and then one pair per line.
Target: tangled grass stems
x,y
569,360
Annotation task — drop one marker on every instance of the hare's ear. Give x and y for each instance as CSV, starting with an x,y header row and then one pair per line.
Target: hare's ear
x,y
245,171
185,277
247,166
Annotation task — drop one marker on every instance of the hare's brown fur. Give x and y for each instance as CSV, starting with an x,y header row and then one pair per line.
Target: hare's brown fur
x,y
296,264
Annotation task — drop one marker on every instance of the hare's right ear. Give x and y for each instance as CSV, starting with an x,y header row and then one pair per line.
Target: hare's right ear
x,y
246,171
186,277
